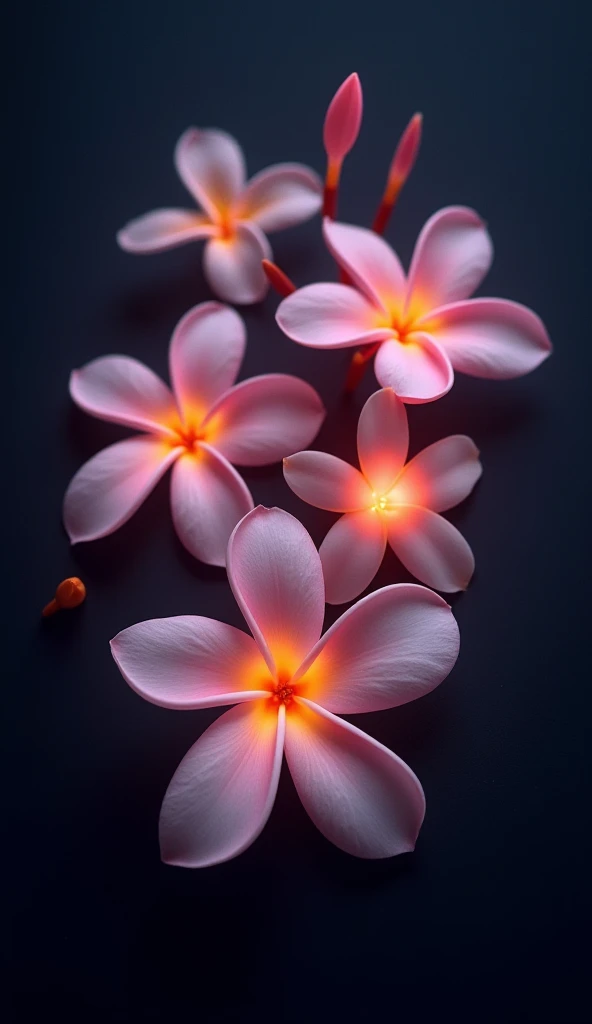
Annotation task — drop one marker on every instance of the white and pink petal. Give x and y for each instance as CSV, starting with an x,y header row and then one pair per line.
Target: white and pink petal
x,y
233,265
275,573
160,230
452,256
280,196
211,165
431,548
359,794
418,370
205,355
264,419
326,481
188,661
440,476
391,647
222,793
351,555
383,439
331,316
123,390
111,486
208,499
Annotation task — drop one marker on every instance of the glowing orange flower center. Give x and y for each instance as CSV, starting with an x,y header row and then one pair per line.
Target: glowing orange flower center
x,y
188,436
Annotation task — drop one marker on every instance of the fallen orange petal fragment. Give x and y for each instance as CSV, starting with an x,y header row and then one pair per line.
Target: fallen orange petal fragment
x,y
277,279
400,169
69,594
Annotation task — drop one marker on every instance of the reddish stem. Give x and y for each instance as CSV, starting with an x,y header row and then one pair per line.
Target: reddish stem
x,y
277,279
357,369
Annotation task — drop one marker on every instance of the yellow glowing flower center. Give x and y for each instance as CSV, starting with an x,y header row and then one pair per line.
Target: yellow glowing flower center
x,y
188,436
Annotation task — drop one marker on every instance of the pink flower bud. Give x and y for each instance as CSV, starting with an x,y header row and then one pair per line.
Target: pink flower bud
x,y
343,119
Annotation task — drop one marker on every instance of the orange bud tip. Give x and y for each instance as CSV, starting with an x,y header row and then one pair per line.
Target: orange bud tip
x,y
69,594
360,359
277,279
343,119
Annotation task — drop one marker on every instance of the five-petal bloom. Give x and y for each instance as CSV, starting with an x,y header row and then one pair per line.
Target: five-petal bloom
x,y
288,684
390,501
422,325
235,214
202,426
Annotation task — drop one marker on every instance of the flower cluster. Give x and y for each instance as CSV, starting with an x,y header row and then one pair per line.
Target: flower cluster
x,y
288,682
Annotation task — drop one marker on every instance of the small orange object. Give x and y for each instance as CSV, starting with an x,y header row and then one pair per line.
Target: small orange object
x,y
360,360
277,279
69,594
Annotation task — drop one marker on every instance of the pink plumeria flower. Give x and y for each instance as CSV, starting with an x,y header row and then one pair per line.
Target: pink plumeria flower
x,y
201,426
389,501
288,684
235,213
423,325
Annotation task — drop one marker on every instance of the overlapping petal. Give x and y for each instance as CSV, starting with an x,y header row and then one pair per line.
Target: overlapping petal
x,y
211,165
110,487
280,196
452,256
359,794
275,573
418,370
222,793
188,661
208,498
440,476
265,418
351,554
490,337
431,548
160,230
327,482
233,265
383,439
370,263
330,316
391,647
122,390
205,355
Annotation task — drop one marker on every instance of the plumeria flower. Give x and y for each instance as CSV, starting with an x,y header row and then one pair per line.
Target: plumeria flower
x,y
423,326
288,684
199,428
389,501
233,215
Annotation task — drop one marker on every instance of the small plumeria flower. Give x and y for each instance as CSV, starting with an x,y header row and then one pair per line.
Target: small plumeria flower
x,y
288,684
423,326
234,214
201,426
389,501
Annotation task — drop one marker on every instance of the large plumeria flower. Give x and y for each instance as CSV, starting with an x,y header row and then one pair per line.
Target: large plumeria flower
x,y
235,213
389,501
199,428
422,325
288,683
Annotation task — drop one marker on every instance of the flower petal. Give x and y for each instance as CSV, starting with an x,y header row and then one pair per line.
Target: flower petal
x,y
188,661
329,316
263,419
452,256
275,573
351,554
222,793
281,196
391,647
123,390
369,261
490,337
233,265
111,486
383,439
431,548
208,498
441,476
359,794
211,165
163,229
327,482
205,355
417,371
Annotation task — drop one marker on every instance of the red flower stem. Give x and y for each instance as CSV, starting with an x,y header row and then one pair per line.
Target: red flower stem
x,y
277,279
360,360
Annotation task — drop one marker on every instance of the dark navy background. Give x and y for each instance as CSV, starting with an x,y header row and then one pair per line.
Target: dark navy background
x,y
487,920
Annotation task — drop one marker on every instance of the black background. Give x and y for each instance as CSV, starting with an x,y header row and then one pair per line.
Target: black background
x,y
486,920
